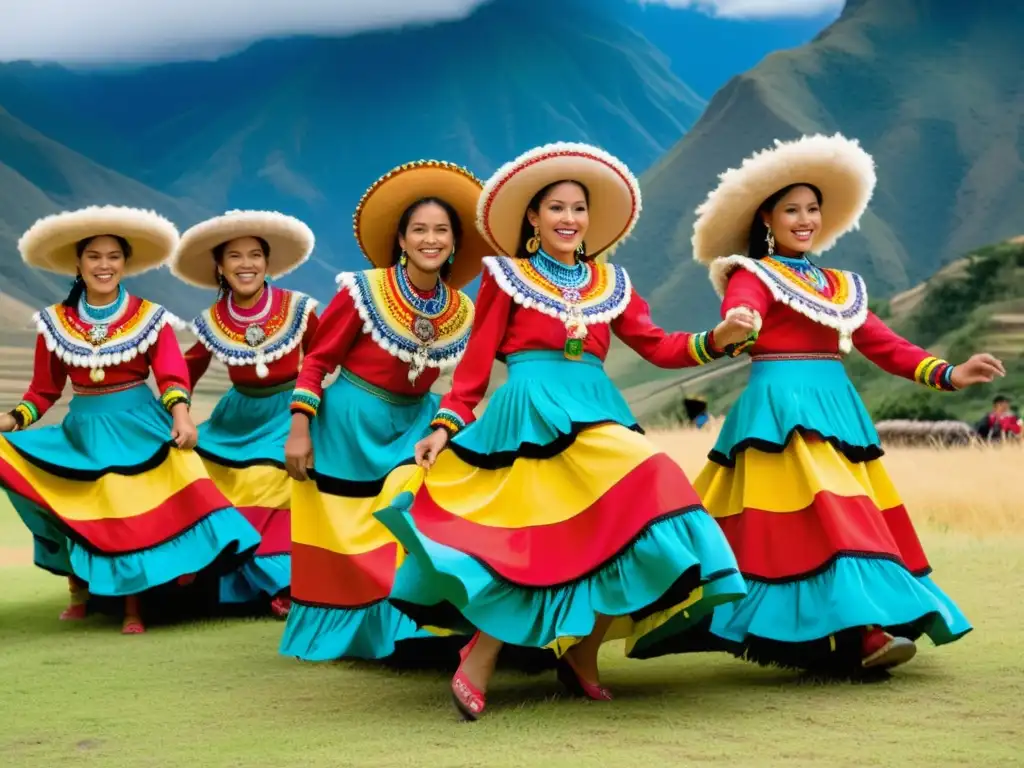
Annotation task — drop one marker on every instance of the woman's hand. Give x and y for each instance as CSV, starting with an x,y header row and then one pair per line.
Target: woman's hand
x,y
183,431
7,423
737,327
979,369
298,449
428,448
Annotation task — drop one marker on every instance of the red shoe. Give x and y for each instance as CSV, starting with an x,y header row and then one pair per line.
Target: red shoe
x,y
880,650
468,699
74,612
576,685
132,626
188,578
280,606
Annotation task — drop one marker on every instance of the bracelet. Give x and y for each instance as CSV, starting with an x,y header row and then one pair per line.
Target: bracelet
x,y
701,347
449,421
173,396
305,402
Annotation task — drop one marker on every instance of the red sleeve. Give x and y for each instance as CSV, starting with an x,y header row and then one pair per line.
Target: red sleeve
x,y
48,379
169,369
746,290
653,344
894,354
473,373
197,359
335,333
312,323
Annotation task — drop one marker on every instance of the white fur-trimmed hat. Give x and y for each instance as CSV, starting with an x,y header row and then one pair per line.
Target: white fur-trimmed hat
x,y
51,242
291,243
836,165
615,199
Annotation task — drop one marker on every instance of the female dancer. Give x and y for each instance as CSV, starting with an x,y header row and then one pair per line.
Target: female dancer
x,y
552,522
390,329
113,497
838,579
260,333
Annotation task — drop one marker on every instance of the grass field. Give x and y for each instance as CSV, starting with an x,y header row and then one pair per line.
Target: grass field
x,y
217,693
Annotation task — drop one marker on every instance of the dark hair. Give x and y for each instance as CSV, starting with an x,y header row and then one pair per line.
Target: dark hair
x,y
78,287
223,289
403,227
1000,399
526,228
757,242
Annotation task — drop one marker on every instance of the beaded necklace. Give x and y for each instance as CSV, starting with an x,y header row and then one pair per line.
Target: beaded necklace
x,y
101,318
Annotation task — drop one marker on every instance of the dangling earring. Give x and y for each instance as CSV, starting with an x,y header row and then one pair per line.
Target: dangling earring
x,y
770,239
451,256
403,259
533,244
581,250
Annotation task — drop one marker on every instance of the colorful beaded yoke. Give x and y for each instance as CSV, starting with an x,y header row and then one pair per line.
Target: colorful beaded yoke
x,y
130,335
284,329
603,293
391,318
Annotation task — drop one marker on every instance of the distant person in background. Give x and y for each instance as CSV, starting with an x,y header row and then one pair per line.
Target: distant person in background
x,y
839,583
999,422
696,411
114,496
260,332
1012,423
551,522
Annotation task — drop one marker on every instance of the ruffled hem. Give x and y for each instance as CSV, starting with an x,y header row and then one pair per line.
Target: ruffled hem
x,y
796,624
218,541
314,633
260,577
648,584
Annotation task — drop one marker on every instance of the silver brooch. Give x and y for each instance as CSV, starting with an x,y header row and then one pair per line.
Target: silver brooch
x,y
255,335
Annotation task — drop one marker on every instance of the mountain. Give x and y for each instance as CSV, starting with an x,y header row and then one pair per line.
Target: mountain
x,y
304,125
934,89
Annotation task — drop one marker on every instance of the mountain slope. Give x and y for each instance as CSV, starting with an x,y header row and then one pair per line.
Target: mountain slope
x,y
305,125
907,78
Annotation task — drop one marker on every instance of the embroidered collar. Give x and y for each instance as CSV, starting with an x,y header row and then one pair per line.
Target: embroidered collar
x,y
262,340
600,292
424,332
845,310
80,344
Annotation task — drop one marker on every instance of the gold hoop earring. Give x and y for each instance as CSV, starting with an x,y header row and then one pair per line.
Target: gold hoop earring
x,y
403,259
533,244
770,239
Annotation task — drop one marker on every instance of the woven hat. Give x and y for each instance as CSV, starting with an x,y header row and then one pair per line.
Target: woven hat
x,y
51,242
615,200
375,222
291,244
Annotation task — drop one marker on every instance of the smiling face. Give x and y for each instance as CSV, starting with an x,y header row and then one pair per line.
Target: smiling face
x,y
244,266
428,239
562,217
795,221
102,266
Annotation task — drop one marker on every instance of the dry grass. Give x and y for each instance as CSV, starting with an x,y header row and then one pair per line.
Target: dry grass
x,y
976,490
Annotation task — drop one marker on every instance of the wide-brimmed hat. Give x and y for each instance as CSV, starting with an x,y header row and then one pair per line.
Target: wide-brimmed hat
x,y
836,165
291,243
615,200
51,242
375,222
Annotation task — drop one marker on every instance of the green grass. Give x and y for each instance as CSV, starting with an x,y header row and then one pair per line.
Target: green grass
x,y
218,694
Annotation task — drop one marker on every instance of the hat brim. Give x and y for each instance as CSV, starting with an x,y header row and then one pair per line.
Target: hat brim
x,y
837,166
615,199
291,243
51,242
375,222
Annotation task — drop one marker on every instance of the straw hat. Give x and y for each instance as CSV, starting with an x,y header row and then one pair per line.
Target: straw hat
x,y
615,200
837,166
375,222
50,243
291,243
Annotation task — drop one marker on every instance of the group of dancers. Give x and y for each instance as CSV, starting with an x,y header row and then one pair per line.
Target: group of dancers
x,y
332,484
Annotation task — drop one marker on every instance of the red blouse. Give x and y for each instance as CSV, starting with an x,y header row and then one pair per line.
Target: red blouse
x,y
504,327
786,331
61,328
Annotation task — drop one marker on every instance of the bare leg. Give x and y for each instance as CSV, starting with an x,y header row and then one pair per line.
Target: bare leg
x,y
132,617
469,685
583,655
76,610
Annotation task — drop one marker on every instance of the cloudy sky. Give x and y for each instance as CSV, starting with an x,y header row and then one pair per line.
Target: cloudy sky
x,y
120,30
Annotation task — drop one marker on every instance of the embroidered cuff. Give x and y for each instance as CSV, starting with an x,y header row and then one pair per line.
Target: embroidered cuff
x,y
449,421
173,396
936,374
25,414
305,402
701,348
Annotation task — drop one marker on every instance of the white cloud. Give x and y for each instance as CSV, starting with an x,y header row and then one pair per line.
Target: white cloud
x,y
756,9
80,31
